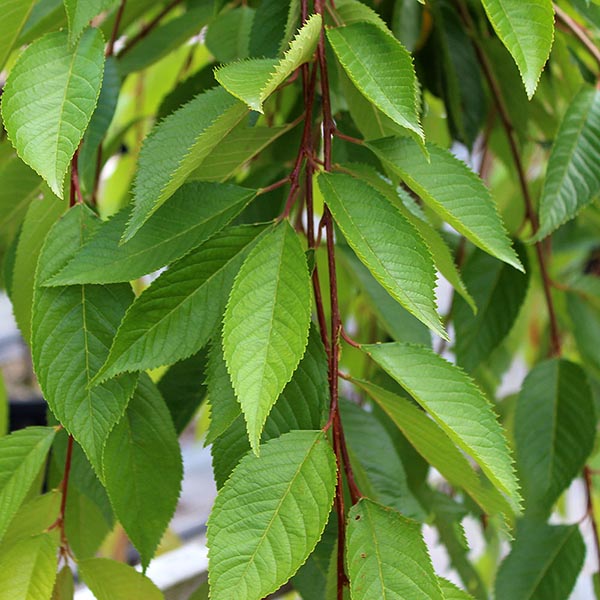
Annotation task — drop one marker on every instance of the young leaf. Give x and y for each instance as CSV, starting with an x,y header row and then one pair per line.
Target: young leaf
x,y
385,242
228,36
450,189
543,564
266,324
14,16
555,429
195,213
49,99
527,31
451,591
284,499
72,329
112,580
156,329
381,68
437,448
64,586
22,455
455,403
499,292
253,81
81,12
28,570
176,147
573,175
140,451
387,556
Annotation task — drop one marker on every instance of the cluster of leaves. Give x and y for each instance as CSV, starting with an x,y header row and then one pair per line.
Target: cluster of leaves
x,y
243,150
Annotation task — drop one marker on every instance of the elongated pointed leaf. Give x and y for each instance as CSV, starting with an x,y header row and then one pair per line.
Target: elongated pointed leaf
x,y
452,190
499,292
81,12
22,455
387,556
49,99
381,68
72,329
455,403
14,16
195,213
270,515
112,580
176,147
253,81
555,428
451,591
28,570
430,441
573,175
141,450
385,242
527,31
64,586
156,329
543,564
265,328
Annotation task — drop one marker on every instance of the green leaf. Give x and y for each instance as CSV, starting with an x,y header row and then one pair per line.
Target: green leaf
x,y
573,176
437,448
64,586
266,324
385,242
141,450
72,329
354,11
14,16
451,591
381,68
254,80
22,455
49,99
585,319
555,428
195,213
176,147
269,27
450,189
4,415
81,12
499,292
228,36
28,571
112,580
387,556
527,31
456,405
247,525
156,328
543,564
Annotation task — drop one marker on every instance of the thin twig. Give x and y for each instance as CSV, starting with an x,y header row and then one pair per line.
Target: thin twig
x,y
110,48
578,31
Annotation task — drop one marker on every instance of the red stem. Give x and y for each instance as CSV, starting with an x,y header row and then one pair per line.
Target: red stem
x,y
110,48
64,487
75,196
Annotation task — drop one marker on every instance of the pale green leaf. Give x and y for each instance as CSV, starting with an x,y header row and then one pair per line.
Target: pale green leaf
x,y
527,31
195,213
455,403
573,175
49,99
450,189
176,147
543,564
112,580
253,81
387,556
381,68
585,319
141,450
451,591
156,328
299,472
437,448
14,16
555,429
72,330
64,586
499,292
266,324
22,455
28,571
81,12
385,242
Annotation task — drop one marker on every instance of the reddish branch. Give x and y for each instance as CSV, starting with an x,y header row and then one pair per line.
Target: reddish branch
x,y
75,196
578,31
64,487
110,48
